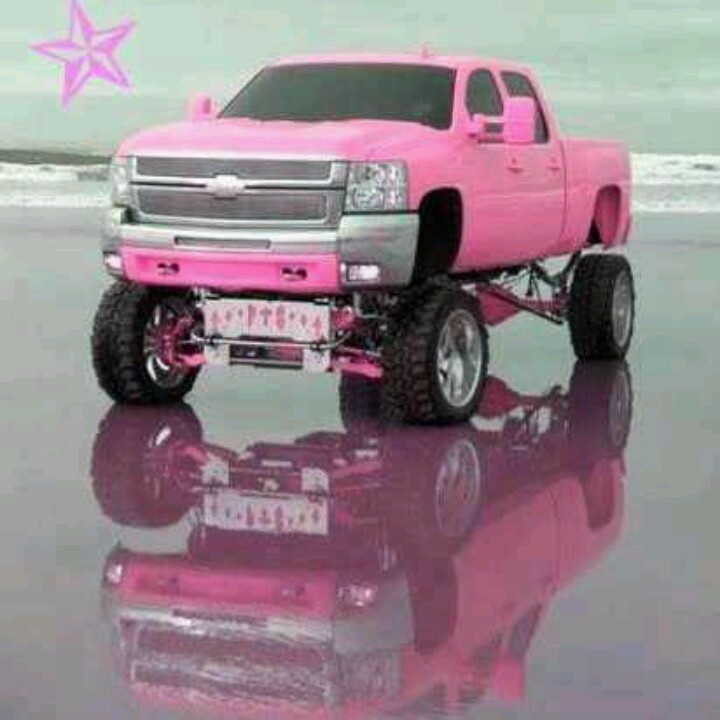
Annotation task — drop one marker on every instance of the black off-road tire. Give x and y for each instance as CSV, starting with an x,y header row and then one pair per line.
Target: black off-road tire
x,y
130,489
591,307
437,488
117,346
411,389
360,403
601,408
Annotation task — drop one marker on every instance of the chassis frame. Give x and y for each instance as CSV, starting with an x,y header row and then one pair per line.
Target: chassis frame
x,y
499,293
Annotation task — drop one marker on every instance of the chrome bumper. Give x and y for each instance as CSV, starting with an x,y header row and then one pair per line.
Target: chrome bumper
x,y
388,241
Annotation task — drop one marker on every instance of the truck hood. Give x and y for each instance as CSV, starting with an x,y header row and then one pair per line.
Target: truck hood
x,y
349,140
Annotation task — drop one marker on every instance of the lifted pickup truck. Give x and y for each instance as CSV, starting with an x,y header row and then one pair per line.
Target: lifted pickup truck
x,y
370,215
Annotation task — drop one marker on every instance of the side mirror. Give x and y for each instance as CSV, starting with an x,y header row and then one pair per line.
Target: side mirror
x,y
201,107
520,118
485,129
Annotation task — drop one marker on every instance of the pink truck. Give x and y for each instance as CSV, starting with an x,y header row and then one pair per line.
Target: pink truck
x,y
366,214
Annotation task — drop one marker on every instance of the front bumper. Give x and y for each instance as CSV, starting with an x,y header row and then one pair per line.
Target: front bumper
x,y
289,261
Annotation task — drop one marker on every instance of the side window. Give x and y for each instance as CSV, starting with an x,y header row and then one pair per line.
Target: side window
x,y
483,96
518,85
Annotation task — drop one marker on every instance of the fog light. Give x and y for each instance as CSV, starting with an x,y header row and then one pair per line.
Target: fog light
x,y
358,596
113,263
114,573
360,273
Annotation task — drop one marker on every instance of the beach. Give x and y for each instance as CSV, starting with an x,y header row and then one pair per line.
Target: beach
x,y
662,183
635,637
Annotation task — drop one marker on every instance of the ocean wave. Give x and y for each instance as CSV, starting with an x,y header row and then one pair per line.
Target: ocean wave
x,y
45,200
676,170
662,183
679,206
648,169
47,174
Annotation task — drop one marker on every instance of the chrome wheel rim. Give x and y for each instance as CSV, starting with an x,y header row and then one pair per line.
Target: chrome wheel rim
x,y
620,408
459,358
161,321
457,489
622,309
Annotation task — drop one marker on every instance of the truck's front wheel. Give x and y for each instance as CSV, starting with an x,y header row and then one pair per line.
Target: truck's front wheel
x,y
133,331
436,357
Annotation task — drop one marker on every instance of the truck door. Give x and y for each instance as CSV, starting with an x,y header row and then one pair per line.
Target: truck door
x,y
538,172
489,210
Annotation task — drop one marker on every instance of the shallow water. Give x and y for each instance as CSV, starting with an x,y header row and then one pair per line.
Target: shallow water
x,y
552,559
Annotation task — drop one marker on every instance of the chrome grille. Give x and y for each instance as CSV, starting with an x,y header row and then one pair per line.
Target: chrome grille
x,y
250,206
238,192
258,170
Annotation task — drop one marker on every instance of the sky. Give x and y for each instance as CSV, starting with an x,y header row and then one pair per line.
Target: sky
x,y
643,71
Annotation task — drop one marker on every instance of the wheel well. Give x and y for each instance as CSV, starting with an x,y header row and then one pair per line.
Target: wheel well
x,y
606,216
440,232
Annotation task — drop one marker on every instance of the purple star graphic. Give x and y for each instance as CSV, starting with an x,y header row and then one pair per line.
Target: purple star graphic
x,y
86,53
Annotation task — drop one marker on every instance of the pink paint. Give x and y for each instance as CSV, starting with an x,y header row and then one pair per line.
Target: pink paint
x,y
499,305
521,202
343,319
356,362
495,310
520,119
231,271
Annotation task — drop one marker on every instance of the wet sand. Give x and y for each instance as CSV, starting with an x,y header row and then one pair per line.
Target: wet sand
x,y
632,633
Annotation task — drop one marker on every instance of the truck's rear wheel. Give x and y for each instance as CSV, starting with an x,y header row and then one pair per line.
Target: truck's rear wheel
x,y
436,357
132,324
601,310
601,406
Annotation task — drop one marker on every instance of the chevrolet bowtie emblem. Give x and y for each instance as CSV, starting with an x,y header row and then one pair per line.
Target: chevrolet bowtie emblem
x,y
226,186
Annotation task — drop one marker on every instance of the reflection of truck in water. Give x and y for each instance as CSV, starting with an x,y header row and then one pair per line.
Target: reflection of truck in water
x,y
360,214
403,570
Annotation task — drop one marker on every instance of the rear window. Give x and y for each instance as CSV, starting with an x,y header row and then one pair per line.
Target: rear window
x,y
352,91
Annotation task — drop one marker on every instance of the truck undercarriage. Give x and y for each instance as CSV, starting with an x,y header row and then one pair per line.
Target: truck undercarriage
x,y
428,343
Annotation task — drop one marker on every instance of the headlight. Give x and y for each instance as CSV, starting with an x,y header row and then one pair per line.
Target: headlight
x,y
377,187
120,181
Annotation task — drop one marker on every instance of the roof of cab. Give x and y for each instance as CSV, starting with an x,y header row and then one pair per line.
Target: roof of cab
x,y
420,58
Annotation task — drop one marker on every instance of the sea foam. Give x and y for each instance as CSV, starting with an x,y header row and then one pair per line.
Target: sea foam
x,y
661,183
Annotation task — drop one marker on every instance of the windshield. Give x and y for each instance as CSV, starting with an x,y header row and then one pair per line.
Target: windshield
x,y
316,93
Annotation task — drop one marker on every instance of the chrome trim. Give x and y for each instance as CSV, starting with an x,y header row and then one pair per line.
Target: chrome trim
x,y
250,240
333,201
270,342
115,219
386,624
388,240
337,177
233,154
226,186
215,243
